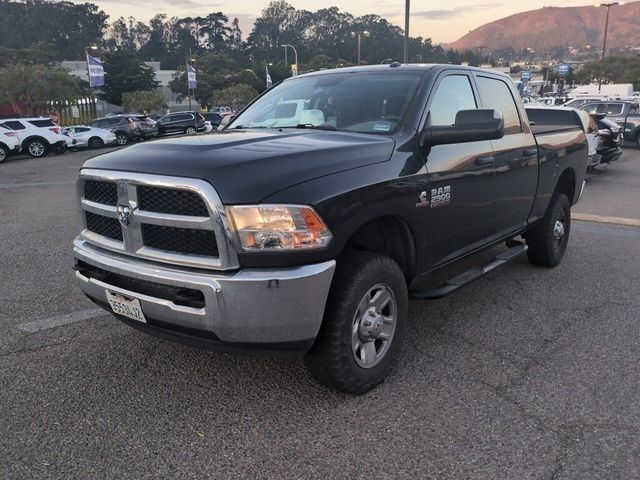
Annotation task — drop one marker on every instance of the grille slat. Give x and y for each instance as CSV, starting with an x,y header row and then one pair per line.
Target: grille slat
x,y
180,240
105,226
172,201
101,192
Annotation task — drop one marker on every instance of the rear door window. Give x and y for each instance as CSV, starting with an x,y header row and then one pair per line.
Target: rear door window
x,y
42,123
497,95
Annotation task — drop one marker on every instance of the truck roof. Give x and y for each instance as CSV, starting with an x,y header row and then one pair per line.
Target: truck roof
x,y
396,66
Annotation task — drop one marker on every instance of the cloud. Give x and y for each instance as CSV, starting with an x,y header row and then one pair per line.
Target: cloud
x,y
454,12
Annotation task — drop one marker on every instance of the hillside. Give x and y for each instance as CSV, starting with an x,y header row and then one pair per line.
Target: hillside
x,y
548,28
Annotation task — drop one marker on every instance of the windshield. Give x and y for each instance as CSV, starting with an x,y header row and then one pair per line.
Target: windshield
x,y
371,102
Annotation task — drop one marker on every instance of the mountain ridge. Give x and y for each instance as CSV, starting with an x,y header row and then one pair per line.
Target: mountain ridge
x,y
549,28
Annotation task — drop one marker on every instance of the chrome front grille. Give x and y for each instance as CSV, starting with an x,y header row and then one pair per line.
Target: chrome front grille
x,y
172,220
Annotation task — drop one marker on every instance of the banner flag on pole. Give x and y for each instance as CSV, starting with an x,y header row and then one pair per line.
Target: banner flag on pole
x,y
96,71
192,83
269,82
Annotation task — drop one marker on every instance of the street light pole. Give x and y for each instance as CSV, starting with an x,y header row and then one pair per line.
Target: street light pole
x,y
295,53
604,43
360,35
406,31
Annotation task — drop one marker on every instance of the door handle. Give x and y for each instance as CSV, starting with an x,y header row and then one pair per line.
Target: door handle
x,y
532,152
482,161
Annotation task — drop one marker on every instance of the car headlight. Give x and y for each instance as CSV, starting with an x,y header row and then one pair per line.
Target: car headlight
x,y
278,227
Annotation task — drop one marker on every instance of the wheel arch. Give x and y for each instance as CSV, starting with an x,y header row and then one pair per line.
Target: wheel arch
x,y
389,235
30,138
567,184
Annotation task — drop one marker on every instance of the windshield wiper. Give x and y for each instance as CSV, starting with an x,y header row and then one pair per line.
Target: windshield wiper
x,y
312,127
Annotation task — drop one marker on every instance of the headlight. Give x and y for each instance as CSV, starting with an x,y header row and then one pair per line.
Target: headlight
x,y
278,227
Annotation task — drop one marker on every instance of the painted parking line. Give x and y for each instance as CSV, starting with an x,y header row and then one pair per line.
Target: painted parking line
x,y
586,217
6,186
35,326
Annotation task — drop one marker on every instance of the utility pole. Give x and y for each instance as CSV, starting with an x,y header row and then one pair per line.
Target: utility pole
x,y
406,31
604,43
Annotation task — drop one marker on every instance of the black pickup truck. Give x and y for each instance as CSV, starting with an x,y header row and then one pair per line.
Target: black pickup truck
x,y
306,225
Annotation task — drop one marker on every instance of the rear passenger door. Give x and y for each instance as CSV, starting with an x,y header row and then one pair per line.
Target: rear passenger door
x,y
515,157
459,195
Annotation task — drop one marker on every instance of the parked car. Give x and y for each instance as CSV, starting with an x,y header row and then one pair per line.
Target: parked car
x,y
221,110
580,101
625,113
148,126
82,136
38,136
181,122
308,238
609,139
9,143
214,118
547,119
125,127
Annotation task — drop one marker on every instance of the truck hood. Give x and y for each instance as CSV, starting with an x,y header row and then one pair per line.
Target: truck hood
x,y
248,166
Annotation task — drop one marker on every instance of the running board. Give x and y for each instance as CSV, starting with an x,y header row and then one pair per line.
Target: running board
x,y
469,276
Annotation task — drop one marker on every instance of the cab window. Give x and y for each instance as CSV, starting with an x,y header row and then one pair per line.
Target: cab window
x,y
454,93
497,95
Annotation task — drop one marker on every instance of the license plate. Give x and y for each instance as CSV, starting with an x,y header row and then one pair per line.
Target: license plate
x,y
126,306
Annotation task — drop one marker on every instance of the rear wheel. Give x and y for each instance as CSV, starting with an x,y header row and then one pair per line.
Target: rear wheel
x,y
122,138
363,325
4,153
638,141
190,130
37,147
548,240
95,142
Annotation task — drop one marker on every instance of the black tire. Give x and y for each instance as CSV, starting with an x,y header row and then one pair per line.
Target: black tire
x,y
638,141
190,130
4,153
547,244
60,149
332,359
122,138
95,142
36,147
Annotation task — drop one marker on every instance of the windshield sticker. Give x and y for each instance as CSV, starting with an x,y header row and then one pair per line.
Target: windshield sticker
x,y
382,127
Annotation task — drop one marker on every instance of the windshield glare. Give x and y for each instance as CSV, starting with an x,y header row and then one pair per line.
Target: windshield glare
x,y
355,102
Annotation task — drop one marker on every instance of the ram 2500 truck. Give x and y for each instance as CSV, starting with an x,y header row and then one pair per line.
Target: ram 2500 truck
x,y
305,226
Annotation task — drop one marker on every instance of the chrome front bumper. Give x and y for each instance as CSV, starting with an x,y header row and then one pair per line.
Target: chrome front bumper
x,y
250,306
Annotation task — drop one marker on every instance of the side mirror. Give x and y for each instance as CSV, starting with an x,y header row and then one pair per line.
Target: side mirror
x,y
471,126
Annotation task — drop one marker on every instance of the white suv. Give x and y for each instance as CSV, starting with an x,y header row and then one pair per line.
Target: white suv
x,y
38,136
9,142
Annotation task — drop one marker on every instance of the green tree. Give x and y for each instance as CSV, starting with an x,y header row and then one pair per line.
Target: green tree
x,y
235,96
28,88
143,101
68,26
617,69
124,72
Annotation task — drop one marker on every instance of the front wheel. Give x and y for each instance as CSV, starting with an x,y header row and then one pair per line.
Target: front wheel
x,y
190,130
122,139
363,325
547,241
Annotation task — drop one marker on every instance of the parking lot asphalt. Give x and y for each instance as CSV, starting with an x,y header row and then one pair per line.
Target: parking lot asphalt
x,y
527,373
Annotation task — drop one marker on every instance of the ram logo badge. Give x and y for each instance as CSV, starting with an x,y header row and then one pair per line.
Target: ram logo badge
x,y
440,197
423,200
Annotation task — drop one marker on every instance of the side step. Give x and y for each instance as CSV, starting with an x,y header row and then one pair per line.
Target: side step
x,y
469,276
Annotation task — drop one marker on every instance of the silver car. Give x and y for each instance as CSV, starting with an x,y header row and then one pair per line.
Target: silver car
x,y
81,136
